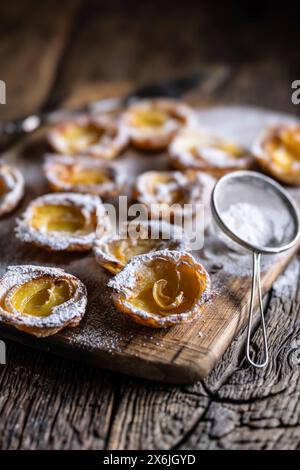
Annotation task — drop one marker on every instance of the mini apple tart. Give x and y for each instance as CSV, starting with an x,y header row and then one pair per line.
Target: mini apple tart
x,y
113,252
167,194
41,300
152,124
100,137
277,151
161,288
63,221
83,175
11,188
193,149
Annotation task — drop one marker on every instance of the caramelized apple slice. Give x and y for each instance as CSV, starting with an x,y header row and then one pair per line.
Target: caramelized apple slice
x,y
113,252
38,297
58,218
194,150
63,221
277,151
41,300
161,289
152,124
11,188
83,175
100,137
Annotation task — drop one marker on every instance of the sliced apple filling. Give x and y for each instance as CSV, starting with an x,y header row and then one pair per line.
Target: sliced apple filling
x,y
149,118
152,124
114,252
63,221
161,289
124,250
98,137
171,194
277,151
57,218
39,296
83,175
41,300
193,149
79,175
81,137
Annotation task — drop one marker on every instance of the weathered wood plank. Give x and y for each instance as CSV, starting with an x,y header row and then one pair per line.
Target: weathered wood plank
x,y
237,407
54,404
183,354
246,409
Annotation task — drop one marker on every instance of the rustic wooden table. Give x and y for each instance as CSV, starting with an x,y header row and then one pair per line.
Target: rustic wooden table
x,y
52,52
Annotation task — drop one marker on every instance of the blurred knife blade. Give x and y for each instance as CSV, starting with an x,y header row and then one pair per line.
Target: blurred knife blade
x,y
208,77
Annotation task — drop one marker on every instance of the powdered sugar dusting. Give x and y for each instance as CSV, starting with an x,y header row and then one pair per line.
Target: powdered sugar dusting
x,y
127,282
61,314
88,204
103,328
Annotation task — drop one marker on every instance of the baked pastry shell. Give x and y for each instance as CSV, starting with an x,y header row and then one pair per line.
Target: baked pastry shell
x,y
66,314
157,138
11,198
55,164
183,159
125,282
263,159
170,237
196,187
89,205
110,144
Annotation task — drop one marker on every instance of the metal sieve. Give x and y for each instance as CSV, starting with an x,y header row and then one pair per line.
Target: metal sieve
x,y
273,201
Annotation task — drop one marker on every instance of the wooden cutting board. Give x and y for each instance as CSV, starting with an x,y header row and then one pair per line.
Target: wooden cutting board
x,y
182,354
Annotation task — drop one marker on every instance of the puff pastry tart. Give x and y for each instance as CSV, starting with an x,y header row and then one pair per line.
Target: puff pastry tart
x,y
277,151
83,175
152,124
41,300
161,289
113,252
193,149
165,193
11,188
63,221
100,137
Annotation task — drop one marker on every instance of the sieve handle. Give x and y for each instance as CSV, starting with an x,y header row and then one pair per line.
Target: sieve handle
x,y
257,284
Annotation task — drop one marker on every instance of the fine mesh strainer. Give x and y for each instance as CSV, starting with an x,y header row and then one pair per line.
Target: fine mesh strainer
x,y
274,203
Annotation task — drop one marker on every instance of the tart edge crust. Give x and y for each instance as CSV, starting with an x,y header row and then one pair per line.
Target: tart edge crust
x,y
64,316
150,319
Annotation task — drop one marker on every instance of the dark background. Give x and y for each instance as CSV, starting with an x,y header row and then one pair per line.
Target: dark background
x,y
50,50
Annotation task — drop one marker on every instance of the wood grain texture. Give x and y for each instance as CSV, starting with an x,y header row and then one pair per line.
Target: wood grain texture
x,y
220,412
185,353
237,407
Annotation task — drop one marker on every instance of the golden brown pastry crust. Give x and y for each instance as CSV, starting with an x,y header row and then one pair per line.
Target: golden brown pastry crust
x,y
41,222
164,193
152,124
114,251
161,289
71,174
100,137
11,188
277,151
193,149
68,313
